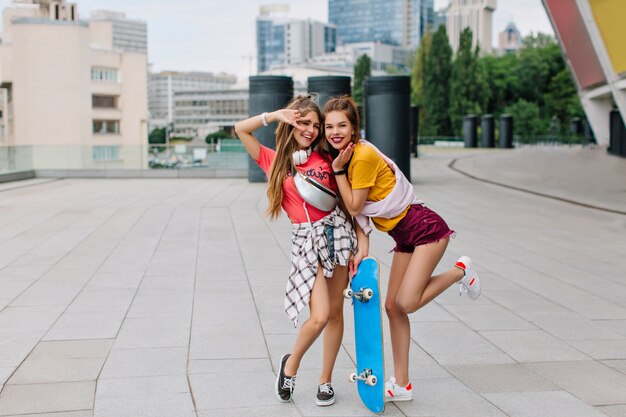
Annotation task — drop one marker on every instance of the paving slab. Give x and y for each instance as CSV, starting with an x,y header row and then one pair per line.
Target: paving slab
x,y
154,297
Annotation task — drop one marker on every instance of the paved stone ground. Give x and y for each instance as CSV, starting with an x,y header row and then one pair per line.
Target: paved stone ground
x,y
158,297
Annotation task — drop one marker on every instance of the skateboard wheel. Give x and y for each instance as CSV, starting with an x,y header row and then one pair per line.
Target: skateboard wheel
x,y
352,377
371,380
368,293
347,293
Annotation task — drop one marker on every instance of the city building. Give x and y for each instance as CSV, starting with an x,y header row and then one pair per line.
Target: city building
x,y
70,99
394,22
509,40
162,87
591,36
474,14
282,40
440,18
198,113
128,35
384,57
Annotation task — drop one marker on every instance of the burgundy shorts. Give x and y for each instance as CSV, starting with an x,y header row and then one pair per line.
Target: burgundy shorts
x,y
420,226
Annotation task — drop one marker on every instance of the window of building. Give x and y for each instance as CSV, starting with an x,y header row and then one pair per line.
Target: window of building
x,y
105,153
106,127
108,75
103,102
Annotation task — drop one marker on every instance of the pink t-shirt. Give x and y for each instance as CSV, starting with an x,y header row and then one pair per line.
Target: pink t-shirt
x,y
316,167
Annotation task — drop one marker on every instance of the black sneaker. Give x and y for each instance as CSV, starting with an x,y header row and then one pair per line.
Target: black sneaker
x,y
284,384
325,395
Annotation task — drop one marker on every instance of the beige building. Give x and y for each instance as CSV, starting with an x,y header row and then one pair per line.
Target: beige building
x,y
70,99
474,14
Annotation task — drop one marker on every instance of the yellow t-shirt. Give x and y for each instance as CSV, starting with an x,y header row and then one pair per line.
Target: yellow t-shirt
x,y
369,170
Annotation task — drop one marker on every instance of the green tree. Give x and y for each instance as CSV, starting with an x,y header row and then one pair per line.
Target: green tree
x,y
437,85
213,137
562,100
467,92
362,70
526,121
157,136
500,81
417,70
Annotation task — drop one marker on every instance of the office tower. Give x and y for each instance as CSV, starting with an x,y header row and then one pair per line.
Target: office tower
x,y
128,35
394,22
282,41
474,14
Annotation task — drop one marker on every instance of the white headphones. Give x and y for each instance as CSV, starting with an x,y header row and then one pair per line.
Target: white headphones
x,y
300,157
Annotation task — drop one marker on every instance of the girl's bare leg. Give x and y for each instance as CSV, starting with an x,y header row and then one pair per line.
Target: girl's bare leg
x,y
333,333
319,306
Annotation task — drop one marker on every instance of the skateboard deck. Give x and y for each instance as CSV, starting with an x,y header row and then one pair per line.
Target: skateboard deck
x,y
368,334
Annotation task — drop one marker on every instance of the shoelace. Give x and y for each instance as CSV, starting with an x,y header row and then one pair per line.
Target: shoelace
x,y
289,383
463,287
326,389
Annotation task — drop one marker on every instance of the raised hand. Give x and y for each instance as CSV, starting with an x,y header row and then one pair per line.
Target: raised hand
x,y
344,157
291,117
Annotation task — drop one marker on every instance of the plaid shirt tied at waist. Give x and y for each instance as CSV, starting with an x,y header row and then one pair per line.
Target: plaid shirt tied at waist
x,y
328,242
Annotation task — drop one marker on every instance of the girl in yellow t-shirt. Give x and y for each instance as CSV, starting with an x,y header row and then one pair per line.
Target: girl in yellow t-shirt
x,y
373,187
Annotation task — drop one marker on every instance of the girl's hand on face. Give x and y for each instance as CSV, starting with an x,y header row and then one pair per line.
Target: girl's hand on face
x,y
291,117
344,157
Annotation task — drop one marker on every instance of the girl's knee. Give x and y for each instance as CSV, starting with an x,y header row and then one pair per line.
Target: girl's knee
x,y
407,305
318,322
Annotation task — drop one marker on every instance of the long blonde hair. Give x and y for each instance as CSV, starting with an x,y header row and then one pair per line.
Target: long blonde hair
x,y
286,145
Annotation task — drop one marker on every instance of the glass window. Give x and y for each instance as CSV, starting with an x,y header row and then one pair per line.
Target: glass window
x,y
106,127
105,153
104,102
108,75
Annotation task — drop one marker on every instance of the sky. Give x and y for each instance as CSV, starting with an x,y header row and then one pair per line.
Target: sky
x,y
219,35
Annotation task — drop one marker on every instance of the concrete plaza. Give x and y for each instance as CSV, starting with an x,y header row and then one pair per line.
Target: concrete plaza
x,y
162,297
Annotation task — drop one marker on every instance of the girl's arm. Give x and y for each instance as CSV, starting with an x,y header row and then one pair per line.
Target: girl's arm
x,y
353,199
245,128
363,247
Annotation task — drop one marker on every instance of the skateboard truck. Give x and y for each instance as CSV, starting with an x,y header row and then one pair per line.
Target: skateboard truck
x,y
365,375
364,294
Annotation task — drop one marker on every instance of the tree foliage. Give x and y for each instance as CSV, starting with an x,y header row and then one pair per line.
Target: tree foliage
x,y
157,136
437,85
468,93
362,70
534,85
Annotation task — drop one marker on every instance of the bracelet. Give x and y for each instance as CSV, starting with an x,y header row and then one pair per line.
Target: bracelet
x,y
342,172
263,119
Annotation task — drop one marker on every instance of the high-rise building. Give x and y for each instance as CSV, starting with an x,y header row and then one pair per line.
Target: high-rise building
x,y
474,14
283,41
510,39
394,22
164,85
128,35
69,99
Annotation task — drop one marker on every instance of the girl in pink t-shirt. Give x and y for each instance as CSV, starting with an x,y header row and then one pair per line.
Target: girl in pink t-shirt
x,y
323,239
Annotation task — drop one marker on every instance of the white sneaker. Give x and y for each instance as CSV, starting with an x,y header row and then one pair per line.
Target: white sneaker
x,y
394,392
470,284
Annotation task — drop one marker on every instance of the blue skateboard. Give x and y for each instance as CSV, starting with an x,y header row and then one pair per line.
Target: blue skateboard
x,y
368,334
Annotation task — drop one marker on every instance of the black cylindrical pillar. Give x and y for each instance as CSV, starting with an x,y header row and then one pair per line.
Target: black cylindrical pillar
x,y
267,93
388,114
415,121
328,87
470,131
487,128
506,131
617,134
